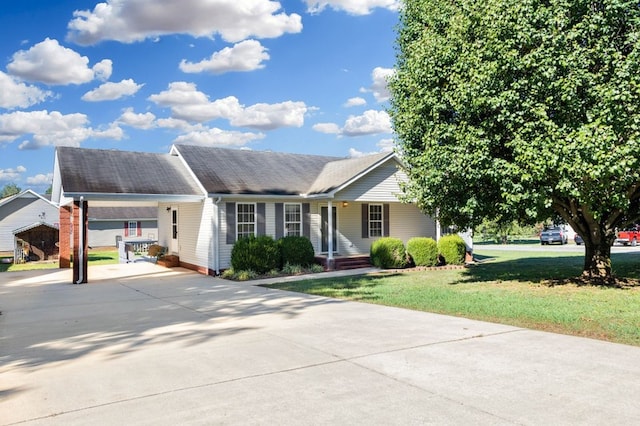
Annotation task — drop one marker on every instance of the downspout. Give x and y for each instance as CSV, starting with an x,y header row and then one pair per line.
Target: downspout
x,y
80,259
216,238
330,235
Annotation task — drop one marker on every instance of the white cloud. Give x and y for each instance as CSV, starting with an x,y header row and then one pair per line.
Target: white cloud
x,y
179,93
103,69
354,153
371,122
139,121
135,20
354,7
218,137
51,128
111,91
271,116
15,94
40,179
380,76
329,128
386,145
189,104
11,174
178,124
49,62
352,102
225,108
244,56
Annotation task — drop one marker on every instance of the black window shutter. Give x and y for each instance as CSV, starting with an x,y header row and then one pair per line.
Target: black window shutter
x,y
385,220
306,220
261,228
365,221
231,222
279,220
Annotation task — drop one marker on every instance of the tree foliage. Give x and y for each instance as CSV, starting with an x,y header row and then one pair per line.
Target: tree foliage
x,y
521,110
9,190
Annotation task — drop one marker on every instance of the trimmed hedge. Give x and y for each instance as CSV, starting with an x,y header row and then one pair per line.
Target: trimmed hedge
x,y
453,248
259,254
388,253
296,251
423,251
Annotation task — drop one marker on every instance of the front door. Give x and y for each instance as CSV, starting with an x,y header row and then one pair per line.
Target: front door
x,y
324,216
174,231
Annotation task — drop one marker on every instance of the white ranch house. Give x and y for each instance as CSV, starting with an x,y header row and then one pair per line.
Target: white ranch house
x,y
207,198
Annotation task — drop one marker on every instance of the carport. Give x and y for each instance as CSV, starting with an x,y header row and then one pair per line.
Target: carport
x,y
85,178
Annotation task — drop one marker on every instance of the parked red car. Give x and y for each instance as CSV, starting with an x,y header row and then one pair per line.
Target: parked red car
x,y
629,236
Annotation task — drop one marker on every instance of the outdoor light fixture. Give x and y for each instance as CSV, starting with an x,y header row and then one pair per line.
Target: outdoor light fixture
x,y
345,203
169,209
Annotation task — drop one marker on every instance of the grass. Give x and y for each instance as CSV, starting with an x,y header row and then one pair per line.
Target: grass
x,y
524,289
99,257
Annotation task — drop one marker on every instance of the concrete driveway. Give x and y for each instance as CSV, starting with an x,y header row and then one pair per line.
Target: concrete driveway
x,y
164,347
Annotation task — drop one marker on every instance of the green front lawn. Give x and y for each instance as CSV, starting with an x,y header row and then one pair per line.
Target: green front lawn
x,y
101,257
524,289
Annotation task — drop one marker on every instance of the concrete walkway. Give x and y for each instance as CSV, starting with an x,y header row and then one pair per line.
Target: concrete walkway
x,y
142,344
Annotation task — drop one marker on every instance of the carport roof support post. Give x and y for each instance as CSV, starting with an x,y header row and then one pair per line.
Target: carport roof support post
x,y
80,246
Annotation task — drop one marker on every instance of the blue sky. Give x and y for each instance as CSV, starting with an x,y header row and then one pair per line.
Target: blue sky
x,y
300,76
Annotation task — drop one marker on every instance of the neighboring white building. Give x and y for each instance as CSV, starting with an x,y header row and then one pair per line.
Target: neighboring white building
x,y
21,210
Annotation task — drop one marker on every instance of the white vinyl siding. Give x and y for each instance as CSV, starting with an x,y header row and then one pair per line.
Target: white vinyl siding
x,y
381,185
194,232
405,222
103,233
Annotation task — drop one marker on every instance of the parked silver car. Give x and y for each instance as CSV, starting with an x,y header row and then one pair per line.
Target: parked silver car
x,y
552,235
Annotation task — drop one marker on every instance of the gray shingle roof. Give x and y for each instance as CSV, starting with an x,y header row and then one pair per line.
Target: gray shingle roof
x,y
123,172
218,170
123,213
234,171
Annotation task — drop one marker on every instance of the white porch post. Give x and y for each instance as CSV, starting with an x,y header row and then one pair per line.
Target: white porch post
x,y
330,234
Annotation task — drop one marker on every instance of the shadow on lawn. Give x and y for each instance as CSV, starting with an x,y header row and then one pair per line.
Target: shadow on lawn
x,y
356,288
551,270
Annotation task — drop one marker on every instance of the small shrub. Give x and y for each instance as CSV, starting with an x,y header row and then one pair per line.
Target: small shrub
x,y
453,248
245,275
388,252
259,254
315,268
296,250
228,273
290,269
423,251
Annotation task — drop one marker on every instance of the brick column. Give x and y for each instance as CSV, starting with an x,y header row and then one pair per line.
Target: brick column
x,y
64,238
77,243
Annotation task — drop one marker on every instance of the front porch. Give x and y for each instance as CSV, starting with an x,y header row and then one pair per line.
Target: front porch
x,y
343,262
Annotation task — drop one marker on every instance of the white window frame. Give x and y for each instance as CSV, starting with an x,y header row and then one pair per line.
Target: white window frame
x,y
288,222
376,221
239,222
134,227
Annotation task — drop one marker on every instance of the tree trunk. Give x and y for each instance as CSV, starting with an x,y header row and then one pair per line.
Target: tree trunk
x,y
597,261
598,236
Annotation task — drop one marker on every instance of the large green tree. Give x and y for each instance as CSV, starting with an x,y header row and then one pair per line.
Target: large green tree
x,y
522,110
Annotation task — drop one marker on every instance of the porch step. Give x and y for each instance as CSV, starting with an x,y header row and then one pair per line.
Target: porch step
x,y
344,263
